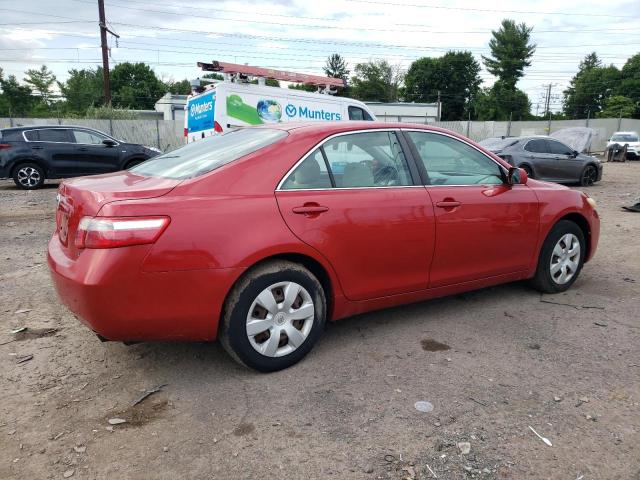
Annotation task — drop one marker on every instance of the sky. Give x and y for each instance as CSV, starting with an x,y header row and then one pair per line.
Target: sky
x,y
171,35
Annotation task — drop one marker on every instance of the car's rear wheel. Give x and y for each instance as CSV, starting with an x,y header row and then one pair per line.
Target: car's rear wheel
x,y
561,258
273,316
28,176
589,176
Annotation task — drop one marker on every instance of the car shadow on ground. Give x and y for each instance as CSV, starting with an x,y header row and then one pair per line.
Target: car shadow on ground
x,y
8,187
345,335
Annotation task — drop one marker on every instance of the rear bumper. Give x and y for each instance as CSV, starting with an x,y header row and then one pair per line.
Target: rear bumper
x,y
110,294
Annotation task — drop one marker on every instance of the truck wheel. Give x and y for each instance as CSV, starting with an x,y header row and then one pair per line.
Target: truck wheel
x,y
273,316
28,176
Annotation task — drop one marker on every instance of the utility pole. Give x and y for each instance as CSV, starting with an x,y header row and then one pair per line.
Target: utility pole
x,y
547,102
105,51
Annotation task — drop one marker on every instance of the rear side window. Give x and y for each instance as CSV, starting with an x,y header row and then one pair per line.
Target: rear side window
x,y
32,135
52,135
310,174
537,146
205,155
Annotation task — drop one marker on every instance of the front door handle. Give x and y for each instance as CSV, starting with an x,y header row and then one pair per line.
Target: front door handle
x,y
35,147
310,209
448,204
83,149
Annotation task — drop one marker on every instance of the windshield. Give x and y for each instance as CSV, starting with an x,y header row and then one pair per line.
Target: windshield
x,y
205,155
624,137
498,143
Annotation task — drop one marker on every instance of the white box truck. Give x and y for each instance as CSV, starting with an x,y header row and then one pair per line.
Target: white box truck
x,y
235,103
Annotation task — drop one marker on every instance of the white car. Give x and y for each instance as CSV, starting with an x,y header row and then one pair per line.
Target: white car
x,y
629,138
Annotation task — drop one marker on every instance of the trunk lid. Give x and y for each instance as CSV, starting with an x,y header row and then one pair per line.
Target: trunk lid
x,y
85,196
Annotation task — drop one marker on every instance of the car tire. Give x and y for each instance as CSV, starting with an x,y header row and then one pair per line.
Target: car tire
x,y
559,257
28,176
588,176
269,306
527,169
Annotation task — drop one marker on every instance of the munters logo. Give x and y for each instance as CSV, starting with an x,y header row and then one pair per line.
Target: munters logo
x,y
199,108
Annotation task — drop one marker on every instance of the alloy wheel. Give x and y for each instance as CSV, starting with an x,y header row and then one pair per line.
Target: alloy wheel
x,y
565,259
280,319
28,177
589,176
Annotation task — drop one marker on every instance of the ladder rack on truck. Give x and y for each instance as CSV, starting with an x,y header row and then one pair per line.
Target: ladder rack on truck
x,y
242,73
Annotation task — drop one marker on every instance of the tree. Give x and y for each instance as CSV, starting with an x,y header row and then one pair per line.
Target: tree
x,y
511,52
376,81
83,89
136,86
336,67
618,106
41,81
183,87
502,102
15,99
455,75
590,87
630,83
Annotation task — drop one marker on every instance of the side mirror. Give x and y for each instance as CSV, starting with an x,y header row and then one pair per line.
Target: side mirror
x,y
517,176
109,143
575,153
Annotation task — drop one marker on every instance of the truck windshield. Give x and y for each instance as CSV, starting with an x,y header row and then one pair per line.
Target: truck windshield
x,y
205,155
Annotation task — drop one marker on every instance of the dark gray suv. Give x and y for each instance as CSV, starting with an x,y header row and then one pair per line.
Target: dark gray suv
x,y
546,158
31,154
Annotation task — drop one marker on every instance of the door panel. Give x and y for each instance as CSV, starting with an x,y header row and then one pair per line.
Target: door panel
x,y
379,240
92,156
493,231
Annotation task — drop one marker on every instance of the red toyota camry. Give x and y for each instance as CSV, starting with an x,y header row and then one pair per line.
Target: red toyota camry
x,y
260,236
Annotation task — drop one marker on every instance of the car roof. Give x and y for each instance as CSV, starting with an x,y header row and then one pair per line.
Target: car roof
x,y
342,126
41,127
625,133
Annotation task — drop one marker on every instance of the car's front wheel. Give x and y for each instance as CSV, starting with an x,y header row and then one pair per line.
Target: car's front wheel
x,y
273,316
589,176
28,176
561,258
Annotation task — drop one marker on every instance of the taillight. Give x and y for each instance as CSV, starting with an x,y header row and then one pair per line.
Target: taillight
x,y
186,132
4,145
113,232
216,127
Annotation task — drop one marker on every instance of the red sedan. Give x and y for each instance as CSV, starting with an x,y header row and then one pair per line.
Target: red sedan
x,y
260,236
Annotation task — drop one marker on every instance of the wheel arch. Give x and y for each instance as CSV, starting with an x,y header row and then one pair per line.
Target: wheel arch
x,y
310,263
582,222
22,160
135,158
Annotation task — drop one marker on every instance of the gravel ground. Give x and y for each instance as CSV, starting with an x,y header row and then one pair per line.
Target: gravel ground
x,y
492,363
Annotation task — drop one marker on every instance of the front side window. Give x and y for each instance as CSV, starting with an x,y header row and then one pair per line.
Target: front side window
x,y
538,145
51,135
357,113
558,148
310,174
88,138
205,155
448,161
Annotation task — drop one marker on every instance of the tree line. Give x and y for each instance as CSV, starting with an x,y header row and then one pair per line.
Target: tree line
x,y
596,90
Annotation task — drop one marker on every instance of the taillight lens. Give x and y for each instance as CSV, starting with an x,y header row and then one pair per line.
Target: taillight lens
x,y
4,146
216,127
113,232
186,132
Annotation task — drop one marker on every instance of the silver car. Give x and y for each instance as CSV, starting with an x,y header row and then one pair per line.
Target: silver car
x,y
546,158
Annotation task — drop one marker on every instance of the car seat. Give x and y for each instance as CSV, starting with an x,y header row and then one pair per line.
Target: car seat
x,y
357,175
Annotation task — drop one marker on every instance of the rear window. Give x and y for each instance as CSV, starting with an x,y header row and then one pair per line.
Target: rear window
x,y
205,155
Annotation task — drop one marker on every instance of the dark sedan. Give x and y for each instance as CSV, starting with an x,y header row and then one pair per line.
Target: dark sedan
x,y
546,158
32,154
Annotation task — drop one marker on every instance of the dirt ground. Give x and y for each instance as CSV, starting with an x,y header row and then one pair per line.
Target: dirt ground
x,y
567,365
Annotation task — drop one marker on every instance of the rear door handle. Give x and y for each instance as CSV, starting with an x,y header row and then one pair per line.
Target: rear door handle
x,y
35,147
309,209
448,204
83,149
